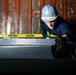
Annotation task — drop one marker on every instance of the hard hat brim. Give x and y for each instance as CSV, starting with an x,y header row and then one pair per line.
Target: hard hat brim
x,y
47,19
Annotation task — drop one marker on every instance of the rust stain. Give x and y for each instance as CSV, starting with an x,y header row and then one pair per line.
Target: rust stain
x,y
47,1
29,16
74,6
16,16
64,9
71,11
53,2
41,6
20,19
4,17
36,13
1,14
35,16
59,7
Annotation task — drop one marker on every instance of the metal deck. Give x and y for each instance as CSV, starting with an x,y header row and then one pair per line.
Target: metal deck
x,y
26,48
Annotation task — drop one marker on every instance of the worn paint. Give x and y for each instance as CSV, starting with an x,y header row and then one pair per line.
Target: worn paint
x,y
59,7
24,16
1,15
71,11
4,17
35,16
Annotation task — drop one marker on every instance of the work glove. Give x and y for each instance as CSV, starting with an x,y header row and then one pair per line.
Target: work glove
x,y
62,49
61,42
59,48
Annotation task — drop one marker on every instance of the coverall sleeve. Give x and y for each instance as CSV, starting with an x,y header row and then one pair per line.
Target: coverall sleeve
x,y
43,29
65,29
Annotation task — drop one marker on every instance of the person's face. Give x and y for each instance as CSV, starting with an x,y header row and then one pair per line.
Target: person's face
x,y
50,25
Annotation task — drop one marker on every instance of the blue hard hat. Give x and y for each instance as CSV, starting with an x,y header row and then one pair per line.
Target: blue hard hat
x,y
49,13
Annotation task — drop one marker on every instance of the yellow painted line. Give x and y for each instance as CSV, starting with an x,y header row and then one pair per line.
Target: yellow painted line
x,y
24,35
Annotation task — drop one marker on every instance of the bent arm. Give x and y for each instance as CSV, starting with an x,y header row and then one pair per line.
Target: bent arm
x,y
66,31
43,29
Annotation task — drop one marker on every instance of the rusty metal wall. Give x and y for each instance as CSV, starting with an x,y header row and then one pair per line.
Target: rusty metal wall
x,y
23,16
35,16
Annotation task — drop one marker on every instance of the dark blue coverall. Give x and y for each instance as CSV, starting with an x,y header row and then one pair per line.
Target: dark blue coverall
x,y
61,28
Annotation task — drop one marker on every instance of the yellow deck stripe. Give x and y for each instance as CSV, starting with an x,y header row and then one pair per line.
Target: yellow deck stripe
x,y
24,35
